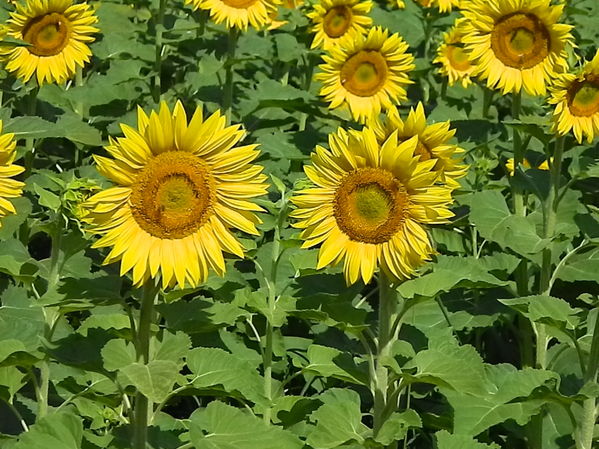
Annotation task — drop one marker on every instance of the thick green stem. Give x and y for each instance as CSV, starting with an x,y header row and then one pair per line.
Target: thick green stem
x,y
387,314
487,100
159,29
586,426
56,237
142,346
44,386
29,141
228,93
517,196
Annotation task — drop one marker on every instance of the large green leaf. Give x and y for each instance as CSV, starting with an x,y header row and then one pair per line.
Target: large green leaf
x,y
154,380
330,362
57,431
507,398
490,214
546,310
445,440
338,420
449,272
220,426
396,427
213,367
445,364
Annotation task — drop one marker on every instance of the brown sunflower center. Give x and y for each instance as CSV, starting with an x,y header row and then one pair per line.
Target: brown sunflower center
x,y
370,205
364,73
583,97
173,195
48,34
337,21
458,58
520,40
239,4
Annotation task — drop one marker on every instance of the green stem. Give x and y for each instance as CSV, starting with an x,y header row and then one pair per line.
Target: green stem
x,y
228,93
159,29
307,83
550,214
142,346
44,386
29,141
487,100
56,237
518,154
387,313
584,434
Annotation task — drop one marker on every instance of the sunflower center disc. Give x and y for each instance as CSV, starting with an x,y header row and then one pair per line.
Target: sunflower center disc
x,y
364,73
337,21
520,40
370,205
48,34
239,4
173,195
583,97
458,58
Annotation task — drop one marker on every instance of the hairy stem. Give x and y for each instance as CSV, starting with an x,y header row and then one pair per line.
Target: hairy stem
x,y
228,93
142,346
387,313
159,29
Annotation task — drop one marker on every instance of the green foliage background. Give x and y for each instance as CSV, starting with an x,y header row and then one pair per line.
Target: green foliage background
x,y
463,365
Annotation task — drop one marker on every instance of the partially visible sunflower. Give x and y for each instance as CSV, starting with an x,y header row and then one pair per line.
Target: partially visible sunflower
x,y
10,188
367,74
398,3
337,19
370,204
432,144
509,165
516,44
576,100
443,5
239,13
453,59
57,32
179,189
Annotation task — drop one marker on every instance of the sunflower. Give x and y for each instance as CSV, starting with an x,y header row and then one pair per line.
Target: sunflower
x,y
336,19
432,143
576,100
239,13
453,59
516,44
57,32
10,187
443,5
180,188
369,205
509,165
366,74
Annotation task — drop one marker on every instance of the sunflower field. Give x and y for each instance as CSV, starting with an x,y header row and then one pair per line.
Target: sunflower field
x,y
299,224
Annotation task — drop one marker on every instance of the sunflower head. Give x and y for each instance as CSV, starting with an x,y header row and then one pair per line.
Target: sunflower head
x,y
180,188
336,19
576,100
432,144
516,44
11,188
239,14
367,74
442,5
454,60
370,205
57,32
